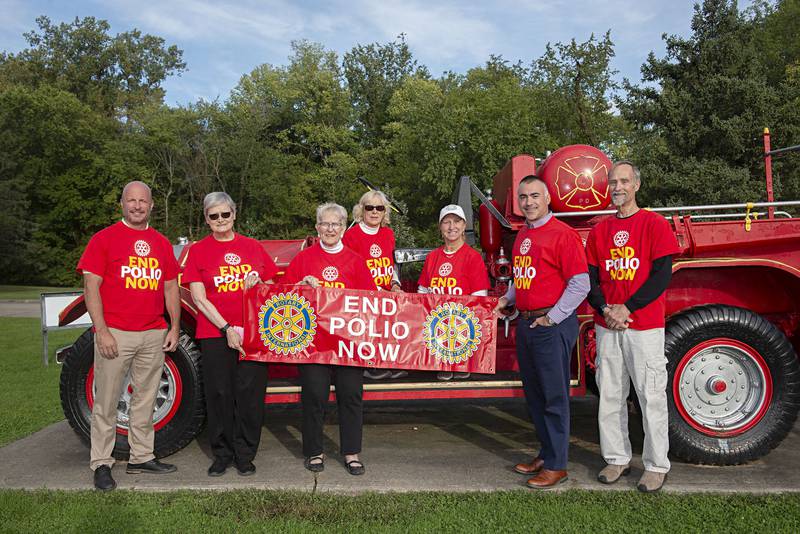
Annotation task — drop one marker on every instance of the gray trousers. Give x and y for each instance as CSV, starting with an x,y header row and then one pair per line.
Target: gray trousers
x,y
638,356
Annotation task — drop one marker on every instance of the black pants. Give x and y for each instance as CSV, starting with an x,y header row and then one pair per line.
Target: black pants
x,y
315,380
234,401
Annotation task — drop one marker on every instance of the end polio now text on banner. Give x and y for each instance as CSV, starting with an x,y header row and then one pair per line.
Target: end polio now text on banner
x,y
380,329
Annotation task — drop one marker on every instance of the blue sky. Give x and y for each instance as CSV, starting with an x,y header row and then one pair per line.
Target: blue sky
x,y
224,39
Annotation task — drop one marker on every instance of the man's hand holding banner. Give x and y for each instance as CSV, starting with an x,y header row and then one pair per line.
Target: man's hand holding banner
x,y
374,329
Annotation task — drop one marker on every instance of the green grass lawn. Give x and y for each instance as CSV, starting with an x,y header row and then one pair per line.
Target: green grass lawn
x,y
30,292
281,511
29,401
28,391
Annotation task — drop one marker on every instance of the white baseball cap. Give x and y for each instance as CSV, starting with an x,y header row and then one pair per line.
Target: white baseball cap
x,y
455,209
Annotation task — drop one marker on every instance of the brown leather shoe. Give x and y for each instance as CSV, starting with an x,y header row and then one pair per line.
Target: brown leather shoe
x,y
547,479
532,468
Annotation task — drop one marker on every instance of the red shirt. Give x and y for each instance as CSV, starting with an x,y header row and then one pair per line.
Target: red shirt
x,y
377,250
460,273
134,264
543,261
222,267
623,250
340,269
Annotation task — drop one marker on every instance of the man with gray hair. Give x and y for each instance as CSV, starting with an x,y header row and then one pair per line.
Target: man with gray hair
x,y
630,266
129,271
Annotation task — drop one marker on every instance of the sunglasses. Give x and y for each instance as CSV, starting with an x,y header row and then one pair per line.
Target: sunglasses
x,y
368,207
224,215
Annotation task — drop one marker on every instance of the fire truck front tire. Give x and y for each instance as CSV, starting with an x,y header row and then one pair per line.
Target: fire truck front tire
x,y
734,385
179,412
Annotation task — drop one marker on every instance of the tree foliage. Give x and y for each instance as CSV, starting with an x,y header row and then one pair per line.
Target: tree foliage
x,y
82,112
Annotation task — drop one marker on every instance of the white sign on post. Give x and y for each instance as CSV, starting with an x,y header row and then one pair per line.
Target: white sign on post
x,y
52,305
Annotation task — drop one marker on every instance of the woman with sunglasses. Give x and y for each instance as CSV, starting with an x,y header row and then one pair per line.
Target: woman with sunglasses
x,y
329,263
217,269
373,240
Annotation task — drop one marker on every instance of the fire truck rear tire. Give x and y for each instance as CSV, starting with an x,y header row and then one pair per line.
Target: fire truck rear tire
x,y
734,385
180,404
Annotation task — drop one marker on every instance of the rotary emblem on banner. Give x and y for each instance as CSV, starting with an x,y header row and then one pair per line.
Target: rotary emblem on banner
x,y
452,332
287,323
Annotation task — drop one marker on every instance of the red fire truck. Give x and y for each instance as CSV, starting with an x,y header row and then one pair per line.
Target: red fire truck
x,y
733,321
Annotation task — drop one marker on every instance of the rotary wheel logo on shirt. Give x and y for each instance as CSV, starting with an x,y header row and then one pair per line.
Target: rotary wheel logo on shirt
x,y
232,259
287,323
375,251
141,248
452,333
445,269
525,246
330,273
621,238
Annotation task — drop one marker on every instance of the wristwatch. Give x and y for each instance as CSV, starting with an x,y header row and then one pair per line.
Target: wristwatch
x,y
224,329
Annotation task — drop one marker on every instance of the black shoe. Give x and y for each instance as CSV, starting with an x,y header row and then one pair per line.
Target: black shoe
x,y
355,467
246,468
151,466
103,480
218,468
315,464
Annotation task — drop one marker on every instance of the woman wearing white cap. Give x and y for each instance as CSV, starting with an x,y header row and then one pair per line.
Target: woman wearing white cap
x,y
455,268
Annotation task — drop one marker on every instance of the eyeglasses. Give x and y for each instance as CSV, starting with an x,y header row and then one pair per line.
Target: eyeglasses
x,y
330,225
368,207
224,215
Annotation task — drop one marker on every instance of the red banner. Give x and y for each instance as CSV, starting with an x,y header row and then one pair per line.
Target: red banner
x,y
378,329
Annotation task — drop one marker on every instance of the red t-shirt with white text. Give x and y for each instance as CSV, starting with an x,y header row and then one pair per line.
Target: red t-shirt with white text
x,y
222,266
623,250
377,250
134,264
343,269
460,273
543,261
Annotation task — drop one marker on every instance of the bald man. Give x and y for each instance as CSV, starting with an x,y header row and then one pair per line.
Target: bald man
x,y
129,273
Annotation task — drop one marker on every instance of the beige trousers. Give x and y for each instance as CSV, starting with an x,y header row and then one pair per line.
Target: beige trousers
x,y
624,356
141,353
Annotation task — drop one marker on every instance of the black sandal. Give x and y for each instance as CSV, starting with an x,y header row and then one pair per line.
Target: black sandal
x,y
355,467
313,465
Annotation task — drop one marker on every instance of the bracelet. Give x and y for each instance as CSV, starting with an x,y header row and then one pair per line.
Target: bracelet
x,y
224,329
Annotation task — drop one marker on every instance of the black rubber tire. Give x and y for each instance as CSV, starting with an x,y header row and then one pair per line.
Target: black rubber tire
x,y
692,327
185,424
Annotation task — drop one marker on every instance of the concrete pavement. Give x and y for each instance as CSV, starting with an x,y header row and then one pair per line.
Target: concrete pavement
x,y
20,308
445,446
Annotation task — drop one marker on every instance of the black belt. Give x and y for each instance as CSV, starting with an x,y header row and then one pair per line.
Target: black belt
x,y
534,314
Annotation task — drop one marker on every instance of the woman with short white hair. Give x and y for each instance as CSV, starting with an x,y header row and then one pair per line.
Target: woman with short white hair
x,y
328,263
218,269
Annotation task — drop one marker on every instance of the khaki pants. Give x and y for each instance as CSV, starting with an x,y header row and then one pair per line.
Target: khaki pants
x,y
637,355
140,352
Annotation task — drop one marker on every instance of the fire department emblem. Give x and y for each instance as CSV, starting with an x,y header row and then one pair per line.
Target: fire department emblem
x,y
445,269
375,251
621,238
287,323
330,273
525,246
232,259
452,333
141,248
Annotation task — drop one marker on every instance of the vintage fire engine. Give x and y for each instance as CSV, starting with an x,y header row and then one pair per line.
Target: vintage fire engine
x,y
733,320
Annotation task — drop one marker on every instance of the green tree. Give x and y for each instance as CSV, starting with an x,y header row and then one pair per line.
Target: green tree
x,y
373,73
698,117
112,74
